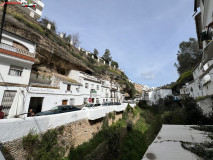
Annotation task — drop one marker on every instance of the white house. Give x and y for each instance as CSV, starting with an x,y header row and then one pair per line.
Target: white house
x,y
99,91
17,55
204,27
49,90
201,88
153,95
34,12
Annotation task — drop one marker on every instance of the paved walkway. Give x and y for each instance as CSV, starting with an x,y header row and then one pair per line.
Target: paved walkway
x,y
167,145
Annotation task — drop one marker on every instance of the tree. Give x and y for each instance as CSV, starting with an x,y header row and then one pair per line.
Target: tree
x,y
45,21
75,39
107,56
96,53
67,38
113,63
188,55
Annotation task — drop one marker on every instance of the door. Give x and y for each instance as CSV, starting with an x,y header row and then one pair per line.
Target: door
x,y
93,100
64,102
36,104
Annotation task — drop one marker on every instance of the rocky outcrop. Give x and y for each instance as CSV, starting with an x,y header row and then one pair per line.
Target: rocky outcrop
x,y
48,53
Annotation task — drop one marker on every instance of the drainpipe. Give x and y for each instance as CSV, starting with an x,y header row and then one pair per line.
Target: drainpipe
x,y
3,19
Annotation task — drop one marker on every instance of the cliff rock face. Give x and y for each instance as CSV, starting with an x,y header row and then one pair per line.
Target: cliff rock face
x,y
54,54
138,87
48,53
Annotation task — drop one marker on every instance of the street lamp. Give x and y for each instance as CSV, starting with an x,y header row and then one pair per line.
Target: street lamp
x,y
3,19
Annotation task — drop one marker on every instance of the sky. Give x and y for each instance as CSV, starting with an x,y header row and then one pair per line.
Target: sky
x,y
143,36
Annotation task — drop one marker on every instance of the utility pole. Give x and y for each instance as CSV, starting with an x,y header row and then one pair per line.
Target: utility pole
x,y
3,19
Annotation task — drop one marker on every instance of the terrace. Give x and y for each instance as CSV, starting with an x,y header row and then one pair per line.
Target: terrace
x,y
16,51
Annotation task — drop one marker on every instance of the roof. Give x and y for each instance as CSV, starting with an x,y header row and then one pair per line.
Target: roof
x,y
167,145
12,84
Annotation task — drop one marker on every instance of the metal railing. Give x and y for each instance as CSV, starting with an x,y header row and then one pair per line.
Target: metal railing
x,y
16,50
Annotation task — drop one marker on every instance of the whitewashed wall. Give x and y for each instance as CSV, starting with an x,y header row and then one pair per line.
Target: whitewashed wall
x,y
16,128
6,61
206,105
8,38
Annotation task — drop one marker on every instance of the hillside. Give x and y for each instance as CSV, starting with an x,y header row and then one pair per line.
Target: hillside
x,y
54,54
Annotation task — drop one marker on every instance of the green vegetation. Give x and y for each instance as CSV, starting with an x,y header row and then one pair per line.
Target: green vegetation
x,y
28,23
189,55
130,88
182,80
44,147
203,150
128,138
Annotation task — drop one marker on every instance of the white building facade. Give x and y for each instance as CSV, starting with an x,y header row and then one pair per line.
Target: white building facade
x,y
17,55
201,88
153,95
34,12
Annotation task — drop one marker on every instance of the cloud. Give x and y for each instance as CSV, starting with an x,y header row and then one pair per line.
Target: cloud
x,y
148,75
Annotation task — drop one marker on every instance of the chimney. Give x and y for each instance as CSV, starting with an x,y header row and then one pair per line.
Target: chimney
x,y
62,35
49,26
32,14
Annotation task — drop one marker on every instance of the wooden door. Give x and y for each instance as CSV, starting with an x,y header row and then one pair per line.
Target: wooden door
x,y
64,102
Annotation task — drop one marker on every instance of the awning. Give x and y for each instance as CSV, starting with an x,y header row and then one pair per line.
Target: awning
x,y
17,108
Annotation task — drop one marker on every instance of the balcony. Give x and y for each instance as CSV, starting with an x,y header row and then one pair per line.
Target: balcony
x,y
16,50
93,94
208,53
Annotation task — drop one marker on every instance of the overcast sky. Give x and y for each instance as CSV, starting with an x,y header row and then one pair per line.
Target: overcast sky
x,y
142,35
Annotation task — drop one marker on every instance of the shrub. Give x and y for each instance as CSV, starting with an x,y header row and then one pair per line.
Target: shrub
x,y
44,148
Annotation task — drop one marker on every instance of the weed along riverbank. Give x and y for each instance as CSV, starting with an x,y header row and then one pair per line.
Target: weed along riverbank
x,y
128,138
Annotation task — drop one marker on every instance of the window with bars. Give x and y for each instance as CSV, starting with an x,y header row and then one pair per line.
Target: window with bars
x,y
15,70
7,100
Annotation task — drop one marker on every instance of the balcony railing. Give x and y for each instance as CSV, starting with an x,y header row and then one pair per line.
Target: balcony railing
x,y
16,50
93,94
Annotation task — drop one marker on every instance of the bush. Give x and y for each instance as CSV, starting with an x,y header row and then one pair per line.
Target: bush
x,y
194,114
44,148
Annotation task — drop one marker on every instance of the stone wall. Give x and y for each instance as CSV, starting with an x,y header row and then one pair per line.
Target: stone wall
x,y
206,105
74,134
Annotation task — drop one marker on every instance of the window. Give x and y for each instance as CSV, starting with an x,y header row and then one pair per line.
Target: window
x,y
78,89
97,100
92,86
68,87
72,101
85,100
86,85
64,102
15,70
97,87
